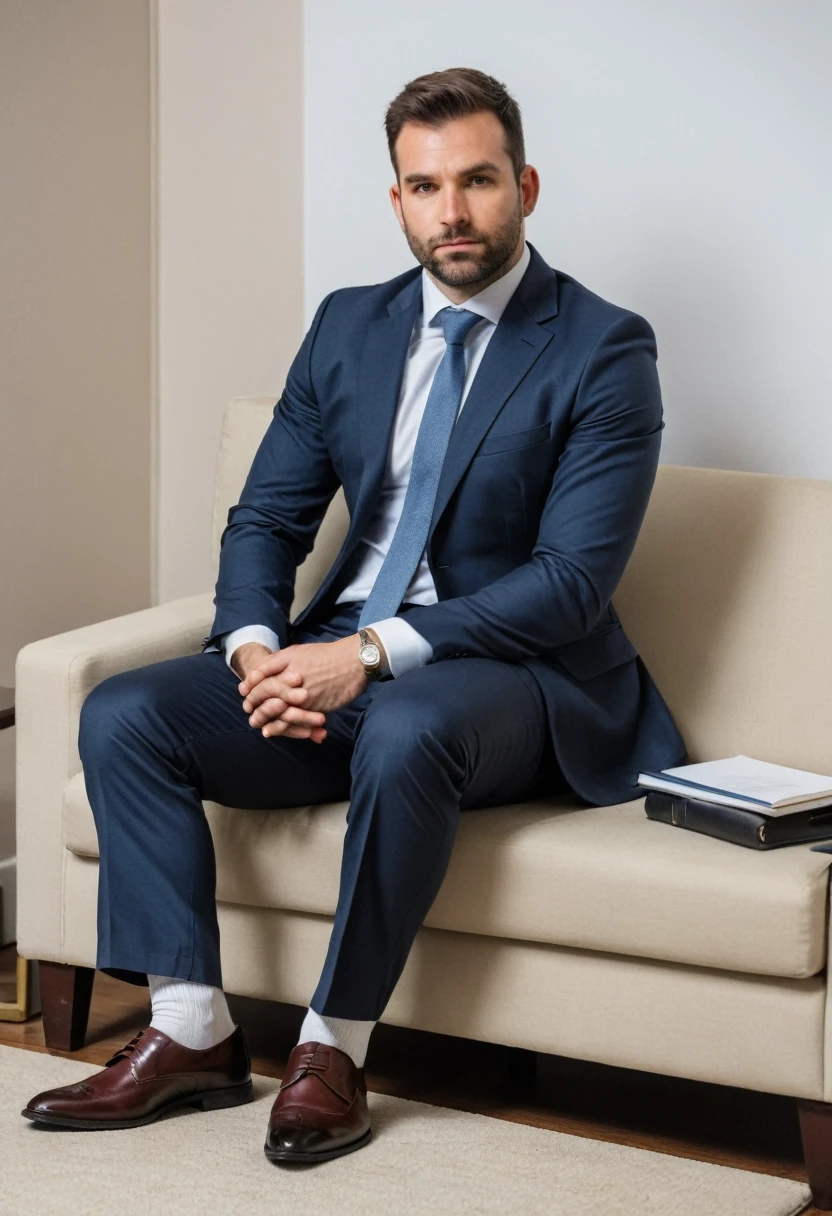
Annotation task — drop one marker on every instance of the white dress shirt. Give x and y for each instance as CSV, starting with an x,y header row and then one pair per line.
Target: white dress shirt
x,y
404,646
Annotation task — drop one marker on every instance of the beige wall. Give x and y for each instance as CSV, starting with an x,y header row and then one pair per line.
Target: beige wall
x,y
152,189
75,294
230,245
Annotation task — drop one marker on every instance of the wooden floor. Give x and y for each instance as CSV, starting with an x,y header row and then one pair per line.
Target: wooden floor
x,y
715,1123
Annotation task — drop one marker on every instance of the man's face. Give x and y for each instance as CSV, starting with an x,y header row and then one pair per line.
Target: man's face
x,y
456,182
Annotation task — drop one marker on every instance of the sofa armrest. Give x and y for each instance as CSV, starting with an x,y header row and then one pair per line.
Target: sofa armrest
x,y
53,677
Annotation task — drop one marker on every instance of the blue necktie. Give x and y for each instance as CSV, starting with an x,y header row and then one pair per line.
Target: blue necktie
x,y
410,537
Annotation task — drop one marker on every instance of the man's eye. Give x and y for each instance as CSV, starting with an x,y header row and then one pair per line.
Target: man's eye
x,y
477,177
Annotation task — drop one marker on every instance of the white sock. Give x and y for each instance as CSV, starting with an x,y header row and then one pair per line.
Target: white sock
x,y
192,1014
351,1036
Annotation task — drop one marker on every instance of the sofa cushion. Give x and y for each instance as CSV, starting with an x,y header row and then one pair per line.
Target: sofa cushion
x,y
548,870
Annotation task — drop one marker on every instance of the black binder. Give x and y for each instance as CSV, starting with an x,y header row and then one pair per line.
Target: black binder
x,y
740,826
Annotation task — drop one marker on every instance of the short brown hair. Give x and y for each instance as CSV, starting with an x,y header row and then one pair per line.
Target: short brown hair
x,y
440,96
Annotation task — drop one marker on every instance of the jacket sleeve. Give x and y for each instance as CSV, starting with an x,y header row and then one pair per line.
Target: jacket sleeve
x,y
272,528
590,520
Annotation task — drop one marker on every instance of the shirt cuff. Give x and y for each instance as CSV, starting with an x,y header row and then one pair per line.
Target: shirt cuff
x,y
405,647
248,633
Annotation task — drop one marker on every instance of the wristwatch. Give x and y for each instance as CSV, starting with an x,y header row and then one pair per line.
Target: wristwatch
x,y
371,657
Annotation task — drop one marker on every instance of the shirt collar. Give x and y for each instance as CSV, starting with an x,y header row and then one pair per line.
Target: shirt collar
x,y
489,303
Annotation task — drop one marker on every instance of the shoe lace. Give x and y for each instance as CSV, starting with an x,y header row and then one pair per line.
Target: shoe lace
x,y
312,1062
311,1066
124,1052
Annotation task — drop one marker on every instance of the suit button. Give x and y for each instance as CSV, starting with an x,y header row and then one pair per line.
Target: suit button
x,y
443,567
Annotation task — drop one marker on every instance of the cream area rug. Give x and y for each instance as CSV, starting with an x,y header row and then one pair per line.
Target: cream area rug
x,y
423,1160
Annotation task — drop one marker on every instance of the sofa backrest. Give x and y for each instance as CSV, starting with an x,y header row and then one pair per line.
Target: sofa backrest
x,y
725,597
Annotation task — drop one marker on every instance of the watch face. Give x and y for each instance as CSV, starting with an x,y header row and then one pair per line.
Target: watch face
x,y
370,654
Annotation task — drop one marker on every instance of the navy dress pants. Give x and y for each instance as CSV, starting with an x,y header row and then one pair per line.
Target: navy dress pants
x,y
410,754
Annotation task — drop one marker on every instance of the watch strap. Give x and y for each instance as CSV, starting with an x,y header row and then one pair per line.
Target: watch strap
x,y
369,636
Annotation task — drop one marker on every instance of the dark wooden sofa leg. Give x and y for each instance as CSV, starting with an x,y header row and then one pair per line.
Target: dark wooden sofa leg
x,y
816,1133
65,995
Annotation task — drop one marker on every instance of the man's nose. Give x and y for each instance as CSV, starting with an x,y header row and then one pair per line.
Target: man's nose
x,y
454,209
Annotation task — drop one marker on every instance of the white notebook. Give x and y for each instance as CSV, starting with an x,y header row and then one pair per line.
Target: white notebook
x,y
754,785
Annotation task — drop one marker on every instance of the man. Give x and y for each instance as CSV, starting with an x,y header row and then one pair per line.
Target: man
x,y
496,428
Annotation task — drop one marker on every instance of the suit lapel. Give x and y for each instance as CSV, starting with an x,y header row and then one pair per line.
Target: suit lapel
x,y
518,341
379,382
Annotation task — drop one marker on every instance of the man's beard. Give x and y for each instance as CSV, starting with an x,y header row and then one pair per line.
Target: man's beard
x,y
470,265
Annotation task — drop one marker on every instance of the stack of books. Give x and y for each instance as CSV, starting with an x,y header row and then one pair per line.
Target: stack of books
x,y
749,802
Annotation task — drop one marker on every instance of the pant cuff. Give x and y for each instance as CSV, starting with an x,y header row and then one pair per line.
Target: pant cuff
x,y
133,967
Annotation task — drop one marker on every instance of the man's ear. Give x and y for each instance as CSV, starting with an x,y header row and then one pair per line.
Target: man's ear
x,y
396,203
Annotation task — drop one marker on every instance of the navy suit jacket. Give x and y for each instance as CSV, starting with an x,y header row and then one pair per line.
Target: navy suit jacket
x,y
543,490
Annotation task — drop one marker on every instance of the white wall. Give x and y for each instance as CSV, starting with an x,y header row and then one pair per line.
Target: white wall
x,y
683,151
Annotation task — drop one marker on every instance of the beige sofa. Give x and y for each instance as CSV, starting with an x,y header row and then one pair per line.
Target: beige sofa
x,y
650,947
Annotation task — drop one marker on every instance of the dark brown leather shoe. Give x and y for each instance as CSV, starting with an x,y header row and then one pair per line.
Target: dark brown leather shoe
x,y
149,1076
321,1109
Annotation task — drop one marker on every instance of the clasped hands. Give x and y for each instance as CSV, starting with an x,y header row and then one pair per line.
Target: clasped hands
x,y
288,691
